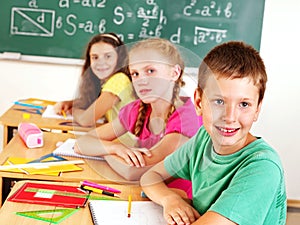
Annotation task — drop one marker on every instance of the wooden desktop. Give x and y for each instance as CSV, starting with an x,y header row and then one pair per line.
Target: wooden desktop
x,y
15,115
17,148
81,217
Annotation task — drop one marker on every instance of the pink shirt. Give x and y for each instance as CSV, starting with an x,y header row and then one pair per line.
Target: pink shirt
x,y
183,120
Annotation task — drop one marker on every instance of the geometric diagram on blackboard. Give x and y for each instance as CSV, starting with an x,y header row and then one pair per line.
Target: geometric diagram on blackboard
x,y
32,22
54,216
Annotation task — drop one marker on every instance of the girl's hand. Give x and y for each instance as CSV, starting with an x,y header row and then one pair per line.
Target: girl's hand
x,y
76,148
63,106
177,211
133,156
145,151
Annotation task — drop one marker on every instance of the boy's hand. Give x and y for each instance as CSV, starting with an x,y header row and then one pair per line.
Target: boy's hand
x,y
178,211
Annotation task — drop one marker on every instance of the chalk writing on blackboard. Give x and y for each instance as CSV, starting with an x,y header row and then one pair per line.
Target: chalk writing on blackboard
x,y
35,22
195,24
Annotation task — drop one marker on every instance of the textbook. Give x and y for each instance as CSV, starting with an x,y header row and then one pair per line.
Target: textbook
x,y
53,170
67,149
116,212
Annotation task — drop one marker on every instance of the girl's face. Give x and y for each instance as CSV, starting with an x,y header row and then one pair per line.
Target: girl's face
x,y
103,60
228,108
152,77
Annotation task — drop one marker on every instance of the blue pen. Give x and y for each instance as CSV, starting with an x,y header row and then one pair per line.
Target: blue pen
x,y
29,105
34,111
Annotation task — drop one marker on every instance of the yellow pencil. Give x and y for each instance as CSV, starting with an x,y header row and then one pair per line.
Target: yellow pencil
x,y
129,206
64,114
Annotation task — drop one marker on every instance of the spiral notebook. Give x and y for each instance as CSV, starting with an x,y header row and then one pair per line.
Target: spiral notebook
x,y
66,149
114,212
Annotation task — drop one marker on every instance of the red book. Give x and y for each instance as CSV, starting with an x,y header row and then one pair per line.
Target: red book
x,y
50,194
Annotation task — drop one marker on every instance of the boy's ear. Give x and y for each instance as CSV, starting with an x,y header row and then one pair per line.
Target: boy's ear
x,y
257,112
176,72
197,102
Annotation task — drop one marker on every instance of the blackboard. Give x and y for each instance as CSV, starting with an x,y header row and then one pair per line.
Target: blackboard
x,y
62,28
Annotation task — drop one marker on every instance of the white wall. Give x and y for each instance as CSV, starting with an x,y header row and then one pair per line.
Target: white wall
x,y
278,123
21,80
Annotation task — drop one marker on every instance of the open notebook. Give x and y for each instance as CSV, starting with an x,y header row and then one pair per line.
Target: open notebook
x,y
114,212
50,113
66,149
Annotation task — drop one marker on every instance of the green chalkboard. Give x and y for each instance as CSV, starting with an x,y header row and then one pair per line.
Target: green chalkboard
x,y
62,28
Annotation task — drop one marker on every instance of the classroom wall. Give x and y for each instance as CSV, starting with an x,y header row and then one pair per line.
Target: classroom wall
x,y
278,123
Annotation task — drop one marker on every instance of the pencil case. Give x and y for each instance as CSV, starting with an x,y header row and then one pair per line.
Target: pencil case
x,y
31,135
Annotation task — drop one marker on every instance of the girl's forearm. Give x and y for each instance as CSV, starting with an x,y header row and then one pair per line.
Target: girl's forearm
x,y
89,145
83,117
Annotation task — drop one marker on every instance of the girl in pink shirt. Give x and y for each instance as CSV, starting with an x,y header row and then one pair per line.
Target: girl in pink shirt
x,y
160,120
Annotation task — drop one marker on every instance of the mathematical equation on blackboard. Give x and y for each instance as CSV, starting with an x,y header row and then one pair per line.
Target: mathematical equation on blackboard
x,y
54,27
37,21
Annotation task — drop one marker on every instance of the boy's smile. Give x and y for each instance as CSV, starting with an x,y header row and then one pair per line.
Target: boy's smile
x,y
229,107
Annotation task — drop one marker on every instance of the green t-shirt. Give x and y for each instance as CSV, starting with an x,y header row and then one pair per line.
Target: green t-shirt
x,y
246,187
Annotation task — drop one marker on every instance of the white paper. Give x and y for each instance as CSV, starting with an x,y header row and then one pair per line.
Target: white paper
x,y
50,113
115,212
66,149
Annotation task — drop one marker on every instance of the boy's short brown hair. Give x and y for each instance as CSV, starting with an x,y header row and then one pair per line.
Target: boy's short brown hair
x,y
232,60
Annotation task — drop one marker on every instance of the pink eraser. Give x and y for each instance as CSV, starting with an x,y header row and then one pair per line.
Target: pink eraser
x,y
31,135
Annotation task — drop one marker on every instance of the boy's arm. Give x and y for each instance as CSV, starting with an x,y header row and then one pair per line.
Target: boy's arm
x,y
176,209
165,147
213,218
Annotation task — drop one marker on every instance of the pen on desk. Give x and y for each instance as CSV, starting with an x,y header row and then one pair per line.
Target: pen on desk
x,y
129,206
29,105
100,191
64,114
33,111
101,187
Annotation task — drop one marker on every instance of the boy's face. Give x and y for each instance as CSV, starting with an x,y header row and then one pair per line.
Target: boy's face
x,y
228,108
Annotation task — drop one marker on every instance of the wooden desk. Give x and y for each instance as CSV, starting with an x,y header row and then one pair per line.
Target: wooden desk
x,y
17,148
12,117
82,217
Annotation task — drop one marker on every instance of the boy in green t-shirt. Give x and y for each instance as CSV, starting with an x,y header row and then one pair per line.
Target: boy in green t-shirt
x,y
237,178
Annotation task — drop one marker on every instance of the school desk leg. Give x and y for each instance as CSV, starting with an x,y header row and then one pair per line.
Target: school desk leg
x,y
5,134
1,191
11,131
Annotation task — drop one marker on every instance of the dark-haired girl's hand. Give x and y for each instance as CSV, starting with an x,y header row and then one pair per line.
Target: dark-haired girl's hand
x,y
65,106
